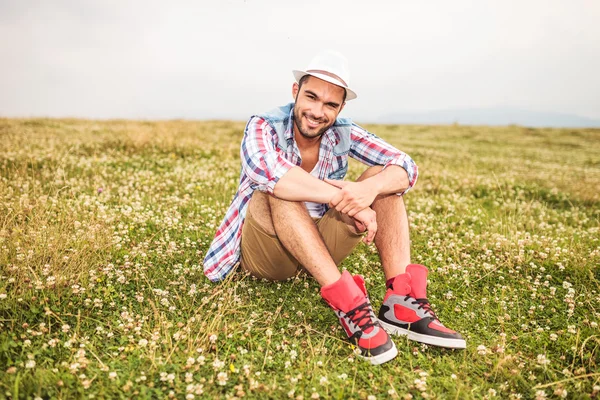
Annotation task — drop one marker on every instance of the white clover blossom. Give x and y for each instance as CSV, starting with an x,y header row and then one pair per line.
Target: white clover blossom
x,y
542,360
481,350
540,395
222,378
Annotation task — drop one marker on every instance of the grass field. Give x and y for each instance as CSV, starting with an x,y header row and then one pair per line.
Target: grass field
x,y
104,225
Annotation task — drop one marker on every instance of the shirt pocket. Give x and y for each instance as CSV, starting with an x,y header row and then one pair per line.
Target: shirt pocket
x,y
339,168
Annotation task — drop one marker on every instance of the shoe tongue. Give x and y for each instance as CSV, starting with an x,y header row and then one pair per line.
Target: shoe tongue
x,y
418,280
346,293
401,284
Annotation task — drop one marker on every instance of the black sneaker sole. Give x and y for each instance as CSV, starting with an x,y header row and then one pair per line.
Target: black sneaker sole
x,y
383,357
427,339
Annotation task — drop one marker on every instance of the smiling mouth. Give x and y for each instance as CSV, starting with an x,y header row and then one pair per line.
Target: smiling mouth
x,y
312,122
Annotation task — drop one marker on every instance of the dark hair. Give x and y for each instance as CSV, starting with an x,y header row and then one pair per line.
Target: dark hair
x,y
305,78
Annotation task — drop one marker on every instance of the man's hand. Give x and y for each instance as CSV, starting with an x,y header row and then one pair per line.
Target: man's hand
x,y
366,220
353,196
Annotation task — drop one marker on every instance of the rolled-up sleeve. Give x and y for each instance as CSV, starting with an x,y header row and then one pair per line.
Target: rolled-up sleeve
x,y
372,150
262,161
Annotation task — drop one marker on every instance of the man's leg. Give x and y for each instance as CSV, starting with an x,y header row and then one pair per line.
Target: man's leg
x,y
405,309
392,239
290,222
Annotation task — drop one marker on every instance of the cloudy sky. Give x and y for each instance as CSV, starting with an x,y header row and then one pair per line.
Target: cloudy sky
x,y
232,58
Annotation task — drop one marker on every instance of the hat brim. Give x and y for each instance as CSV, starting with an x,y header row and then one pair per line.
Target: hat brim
x,y
350,94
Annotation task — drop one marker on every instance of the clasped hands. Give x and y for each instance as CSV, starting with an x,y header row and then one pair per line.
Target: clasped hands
x,y
355,199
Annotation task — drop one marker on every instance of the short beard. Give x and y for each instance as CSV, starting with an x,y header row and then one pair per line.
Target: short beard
x,y
298,123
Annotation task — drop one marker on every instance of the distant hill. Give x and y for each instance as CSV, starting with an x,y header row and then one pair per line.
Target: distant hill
x,y
491,116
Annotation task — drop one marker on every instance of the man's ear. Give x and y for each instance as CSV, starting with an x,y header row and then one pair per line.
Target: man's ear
x,y
342,107
295,89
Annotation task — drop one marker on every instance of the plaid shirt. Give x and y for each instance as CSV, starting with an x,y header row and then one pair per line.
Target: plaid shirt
x,y
265,159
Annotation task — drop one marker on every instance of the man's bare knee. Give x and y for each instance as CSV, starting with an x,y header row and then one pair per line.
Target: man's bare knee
x,y
260,210
369,172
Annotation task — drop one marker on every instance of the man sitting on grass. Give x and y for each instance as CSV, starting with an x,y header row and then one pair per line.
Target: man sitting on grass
x,y
293,210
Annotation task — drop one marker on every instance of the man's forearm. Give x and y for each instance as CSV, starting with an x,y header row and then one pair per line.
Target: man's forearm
x,y
393,179
299,185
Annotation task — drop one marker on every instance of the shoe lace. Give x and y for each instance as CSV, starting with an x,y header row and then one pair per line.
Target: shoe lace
x,y
361,313
424,305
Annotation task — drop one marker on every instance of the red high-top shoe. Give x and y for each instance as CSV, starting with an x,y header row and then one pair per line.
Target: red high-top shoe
x,y
348,298
406,311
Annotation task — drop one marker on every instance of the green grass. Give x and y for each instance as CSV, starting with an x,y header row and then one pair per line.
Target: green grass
x,y
104,225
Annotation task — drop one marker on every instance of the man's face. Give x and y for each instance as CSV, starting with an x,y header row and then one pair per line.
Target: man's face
x,y
318,104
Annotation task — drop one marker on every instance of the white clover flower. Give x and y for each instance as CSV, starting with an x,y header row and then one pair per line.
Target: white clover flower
x,y
421,384
542,360
481,350
218,364
222,378
2,296
540,395
323,380
112,375
143,343
30,364
561,392
212,338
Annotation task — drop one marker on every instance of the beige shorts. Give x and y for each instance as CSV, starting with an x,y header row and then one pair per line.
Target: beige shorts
x,y
264,256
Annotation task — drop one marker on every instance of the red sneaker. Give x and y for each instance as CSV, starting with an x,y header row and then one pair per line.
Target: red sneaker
x,y
348,298
406,311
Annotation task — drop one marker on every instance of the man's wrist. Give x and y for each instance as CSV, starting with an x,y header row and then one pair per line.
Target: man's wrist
x,y
373,184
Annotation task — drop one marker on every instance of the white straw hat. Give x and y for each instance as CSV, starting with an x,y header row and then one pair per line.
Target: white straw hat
x,y
331,67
